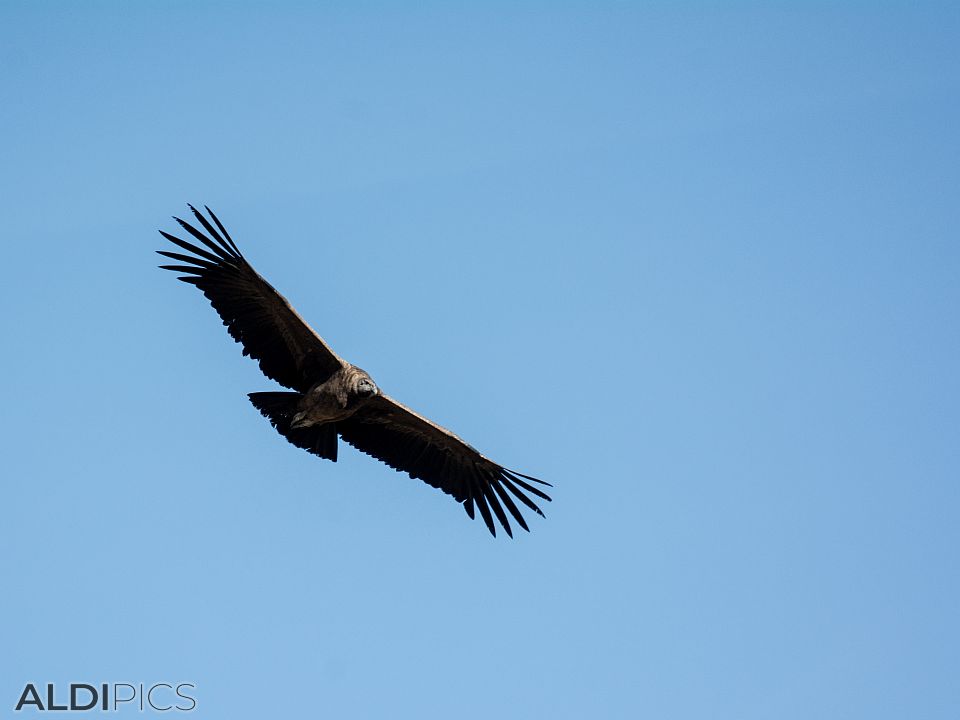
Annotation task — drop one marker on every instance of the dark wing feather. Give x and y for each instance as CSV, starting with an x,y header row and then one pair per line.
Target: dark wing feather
x,y
410,443
256,315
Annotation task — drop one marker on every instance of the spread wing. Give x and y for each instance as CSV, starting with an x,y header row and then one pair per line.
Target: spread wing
x,y
256,315
410,443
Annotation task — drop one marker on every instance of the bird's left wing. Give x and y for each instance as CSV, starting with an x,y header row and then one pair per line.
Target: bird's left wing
x,y
410,443
256,315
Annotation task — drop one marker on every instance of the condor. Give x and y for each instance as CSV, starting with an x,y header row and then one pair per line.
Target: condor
x,y
331,398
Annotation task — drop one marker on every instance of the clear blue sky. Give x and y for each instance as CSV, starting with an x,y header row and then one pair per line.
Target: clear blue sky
x,y
697,265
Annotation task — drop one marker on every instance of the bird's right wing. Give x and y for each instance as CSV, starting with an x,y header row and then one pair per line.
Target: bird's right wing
x,y
256,315
408,442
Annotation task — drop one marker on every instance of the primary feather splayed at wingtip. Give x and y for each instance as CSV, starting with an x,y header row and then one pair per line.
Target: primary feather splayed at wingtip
x,y
222,228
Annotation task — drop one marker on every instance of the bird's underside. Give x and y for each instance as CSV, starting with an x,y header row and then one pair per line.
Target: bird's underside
x,y
329,397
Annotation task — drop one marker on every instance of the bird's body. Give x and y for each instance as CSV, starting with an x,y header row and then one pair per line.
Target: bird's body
x,y
336,398
330,398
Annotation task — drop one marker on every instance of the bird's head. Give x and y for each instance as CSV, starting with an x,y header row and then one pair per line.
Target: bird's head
x,y
365,387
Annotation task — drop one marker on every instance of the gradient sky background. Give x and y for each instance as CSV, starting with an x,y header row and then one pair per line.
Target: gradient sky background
x,y
698,265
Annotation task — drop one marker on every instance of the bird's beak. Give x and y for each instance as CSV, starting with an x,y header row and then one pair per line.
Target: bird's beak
x,y
299,421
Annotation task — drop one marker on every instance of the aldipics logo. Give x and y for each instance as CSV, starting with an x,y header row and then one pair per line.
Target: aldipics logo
x,y
109,697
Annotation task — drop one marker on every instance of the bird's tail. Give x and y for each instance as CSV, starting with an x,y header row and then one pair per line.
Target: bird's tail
x,y
280,407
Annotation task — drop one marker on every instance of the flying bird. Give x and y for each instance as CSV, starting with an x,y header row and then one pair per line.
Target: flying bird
x,y
331,398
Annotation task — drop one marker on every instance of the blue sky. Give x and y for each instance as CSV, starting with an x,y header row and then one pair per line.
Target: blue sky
x,y
695,264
